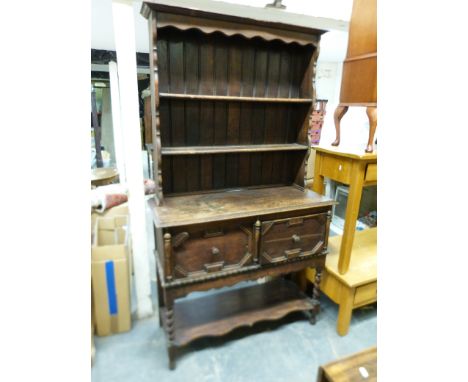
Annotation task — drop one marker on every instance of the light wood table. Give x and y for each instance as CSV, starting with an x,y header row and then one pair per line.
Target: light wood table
x,y
357,367
358,287
353,168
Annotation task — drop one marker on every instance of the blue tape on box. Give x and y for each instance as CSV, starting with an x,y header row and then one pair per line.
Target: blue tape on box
x,y
111,292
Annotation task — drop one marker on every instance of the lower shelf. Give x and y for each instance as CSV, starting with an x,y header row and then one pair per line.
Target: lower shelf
x,y
220,313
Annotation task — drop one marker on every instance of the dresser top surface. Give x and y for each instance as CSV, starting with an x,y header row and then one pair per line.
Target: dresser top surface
x,y
232,204
245,14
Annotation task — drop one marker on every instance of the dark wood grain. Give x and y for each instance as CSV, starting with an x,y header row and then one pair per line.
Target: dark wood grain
x,y
191,62
206,67
261,70
163,66
204,97
176,64
177,118
273,72
192,123
233,126
221,59
217,206
211,249
232,100
220,313
292,237
189,150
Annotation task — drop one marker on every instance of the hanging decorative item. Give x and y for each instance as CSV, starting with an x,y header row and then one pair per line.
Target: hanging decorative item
x,y
318,115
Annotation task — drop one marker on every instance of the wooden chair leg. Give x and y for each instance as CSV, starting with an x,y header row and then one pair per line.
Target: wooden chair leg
x,y
372,115
340,111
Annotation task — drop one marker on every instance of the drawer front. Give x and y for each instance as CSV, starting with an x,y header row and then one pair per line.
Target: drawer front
x,y
335,168
371,172
366,294
285,239
208,251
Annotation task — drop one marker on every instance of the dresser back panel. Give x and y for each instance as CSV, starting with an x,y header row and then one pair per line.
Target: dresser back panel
x,y
191,62
207,123
204,172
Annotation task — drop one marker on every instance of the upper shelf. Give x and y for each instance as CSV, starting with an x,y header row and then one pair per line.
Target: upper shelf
x,y
187,150
233,98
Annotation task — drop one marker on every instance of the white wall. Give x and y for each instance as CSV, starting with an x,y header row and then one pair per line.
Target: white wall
x,y
333,46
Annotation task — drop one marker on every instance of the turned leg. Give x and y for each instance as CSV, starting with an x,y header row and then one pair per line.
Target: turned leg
x,y
170,336
160,297
316,296
340,111
372,115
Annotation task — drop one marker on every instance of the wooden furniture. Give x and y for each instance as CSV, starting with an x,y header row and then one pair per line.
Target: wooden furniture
x,y
359,79
232,99
352,168
356,288
147,119
359,367
103,175
149,155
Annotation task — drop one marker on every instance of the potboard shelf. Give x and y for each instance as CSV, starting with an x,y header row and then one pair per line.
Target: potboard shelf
x,y
222,312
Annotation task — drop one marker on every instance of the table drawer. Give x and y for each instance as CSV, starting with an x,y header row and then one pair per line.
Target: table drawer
x,y
335,168
371,172
365,294
284,239
199,252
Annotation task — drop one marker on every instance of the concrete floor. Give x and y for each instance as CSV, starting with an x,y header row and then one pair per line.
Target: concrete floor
x,y
290,349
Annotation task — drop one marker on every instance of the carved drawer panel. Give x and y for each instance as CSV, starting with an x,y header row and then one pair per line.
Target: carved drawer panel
x,y
285,239
201,252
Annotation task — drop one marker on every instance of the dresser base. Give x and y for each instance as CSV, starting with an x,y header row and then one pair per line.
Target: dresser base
x,y
220,313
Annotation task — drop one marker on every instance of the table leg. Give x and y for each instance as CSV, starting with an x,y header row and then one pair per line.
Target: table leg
x,y
345,310
352,211
319,180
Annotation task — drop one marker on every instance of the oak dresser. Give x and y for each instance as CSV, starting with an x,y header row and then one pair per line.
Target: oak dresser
x,y
231,103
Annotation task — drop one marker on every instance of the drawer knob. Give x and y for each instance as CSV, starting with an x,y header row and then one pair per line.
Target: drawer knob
x,y
215,251
296,238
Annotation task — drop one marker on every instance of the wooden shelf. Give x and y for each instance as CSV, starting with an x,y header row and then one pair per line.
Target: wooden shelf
x,y
220,313
190,150
218,206
201,97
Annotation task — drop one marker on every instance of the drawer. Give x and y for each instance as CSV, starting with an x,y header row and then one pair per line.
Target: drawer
x,y
336,168
285,239
199,252
371,172
365,294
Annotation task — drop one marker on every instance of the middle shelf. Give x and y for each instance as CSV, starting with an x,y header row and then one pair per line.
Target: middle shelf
x,y
190,150
207,97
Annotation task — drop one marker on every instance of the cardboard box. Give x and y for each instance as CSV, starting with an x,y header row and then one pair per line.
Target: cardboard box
x,y
120,210
110,276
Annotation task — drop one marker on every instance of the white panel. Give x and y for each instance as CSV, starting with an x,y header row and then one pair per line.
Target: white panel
x,y
123,16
